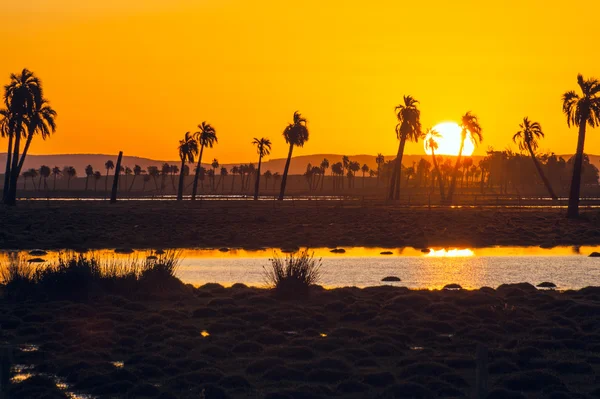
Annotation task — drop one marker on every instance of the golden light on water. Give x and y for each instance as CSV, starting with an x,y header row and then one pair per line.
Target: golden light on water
x,y
205,333
449,142
450,253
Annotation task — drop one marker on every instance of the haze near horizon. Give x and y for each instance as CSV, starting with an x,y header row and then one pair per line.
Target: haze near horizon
x,y
136,76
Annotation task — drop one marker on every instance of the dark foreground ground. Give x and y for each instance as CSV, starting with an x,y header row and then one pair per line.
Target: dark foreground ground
x,y
383,342
152,224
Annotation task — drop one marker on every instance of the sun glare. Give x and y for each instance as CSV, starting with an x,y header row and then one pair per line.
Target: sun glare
x,y
451,253
449,142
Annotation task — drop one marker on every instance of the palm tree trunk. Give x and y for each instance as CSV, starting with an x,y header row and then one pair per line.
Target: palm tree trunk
x,y
285,173
573,209
197,174
256,185
87,178
395,183
25,149
440,179
7,170
180,189
54,185
11,199
232,181
106,182
541,173
453,181
132,182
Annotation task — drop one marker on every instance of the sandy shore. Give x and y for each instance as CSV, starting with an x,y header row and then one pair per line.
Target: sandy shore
x,y
153,224
381,342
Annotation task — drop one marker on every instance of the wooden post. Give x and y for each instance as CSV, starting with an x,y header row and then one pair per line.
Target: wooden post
x,y
481,373
115,187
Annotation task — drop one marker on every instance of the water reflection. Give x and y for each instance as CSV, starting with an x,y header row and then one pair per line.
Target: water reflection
x,y
432,268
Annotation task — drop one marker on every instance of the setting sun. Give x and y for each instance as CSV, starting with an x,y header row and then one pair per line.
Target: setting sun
x,y
449,140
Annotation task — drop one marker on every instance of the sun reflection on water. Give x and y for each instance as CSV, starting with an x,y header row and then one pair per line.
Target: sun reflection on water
x,y
450,253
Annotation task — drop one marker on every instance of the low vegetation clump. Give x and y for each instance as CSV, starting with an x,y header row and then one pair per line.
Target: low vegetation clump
x,y
292,276
78,277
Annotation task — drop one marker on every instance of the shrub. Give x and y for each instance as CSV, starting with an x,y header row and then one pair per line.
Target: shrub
x,y
160,274
17,275
292,276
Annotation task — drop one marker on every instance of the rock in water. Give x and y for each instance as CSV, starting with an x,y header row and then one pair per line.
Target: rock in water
x,y
595,255
452,287
38,252
391,278
386,253
547,285
338,251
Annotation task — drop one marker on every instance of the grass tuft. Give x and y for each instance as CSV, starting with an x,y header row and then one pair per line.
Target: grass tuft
x,y
292,276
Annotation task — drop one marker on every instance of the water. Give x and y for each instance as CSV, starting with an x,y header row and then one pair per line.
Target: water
x,y
567,267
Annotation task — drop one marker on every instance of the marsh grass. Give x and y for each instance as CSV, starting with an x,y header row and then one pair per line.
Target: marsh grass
x,y
77,276
292,276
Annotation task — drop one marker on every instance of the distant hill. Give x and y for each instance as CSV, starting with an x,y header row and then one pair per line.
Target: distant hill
x,y
298,164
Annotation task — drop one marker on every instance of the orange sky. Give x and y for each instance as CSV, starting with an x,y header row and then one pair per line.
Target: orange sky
x,y
135,75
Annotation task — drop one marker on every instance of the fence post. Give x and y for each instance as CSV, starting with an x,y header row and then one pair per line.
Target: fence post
x,y
481,372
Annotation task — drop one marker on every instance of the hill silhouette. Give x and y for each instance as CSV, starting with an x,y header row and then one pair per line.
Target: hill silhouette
x,y
298,164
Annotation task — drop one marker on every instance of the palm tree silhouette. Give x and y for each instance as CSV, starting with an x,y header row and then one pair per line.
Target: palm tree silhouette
x,y
214,165
128,172
581,110
263,148
408,128
222,175
153,172
380,160
6,130
267,176
295,134
70,172
42,121
470,128
234,171
22,96
432,145
145,180
527,139
137,170
364,169
109,165
206,137
44,174
55,173
276,177
89,172
32,174
97,177
324,166
188,149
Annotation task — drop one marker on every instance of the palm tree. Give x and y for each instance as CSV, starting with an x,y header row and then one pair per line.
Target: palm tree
x,y
55,173
408,128
337,169
137,170
89,171
22,96
109,165
471,128
380,160
42,121
295,134
581,110
432,145
276,177
128,172
222,175
97,177
6,130
145,180
234,171
32,174
345,164
206,137
324,166
188,149
527,139
365,169
153,172
214,165
263,147
267,176
44,174
70,172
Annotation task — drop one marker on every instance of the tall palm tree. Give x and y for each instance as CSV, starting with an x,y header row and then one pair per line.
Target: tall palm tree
x,y
97,177
365,169
380,160
234,171
267,175
432,145
21,96
109,165
137,170
408,128
276,177
295,134
44,174
324,166
581,110
70,172
263,148
7,129
55,173
214,165
206,137
222,175
32,174
470,128
89,172
188,149
154,172
527,139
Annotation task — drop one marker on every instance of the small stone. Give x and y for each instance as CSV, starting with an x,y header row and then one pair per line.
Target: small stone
x,y
391,278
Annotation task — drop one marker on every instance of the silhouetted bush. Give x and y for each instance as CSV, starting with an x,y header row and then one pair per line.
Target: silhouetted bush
x,y
17,276
292,276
